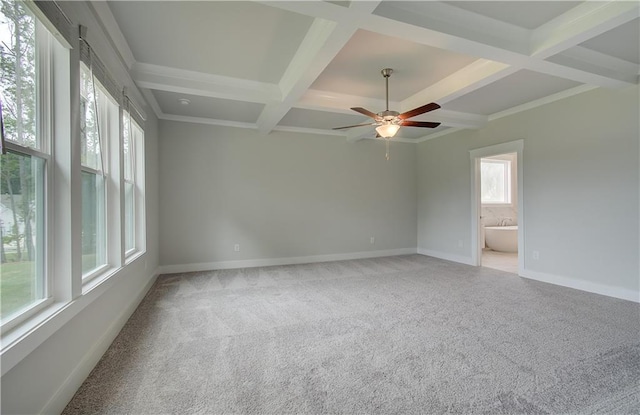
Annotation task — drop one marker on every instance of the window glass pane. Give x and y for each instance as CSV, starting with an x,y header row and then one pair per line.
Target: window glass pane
x,y
128,216
90,143
18,73
22,280
93,222
494,181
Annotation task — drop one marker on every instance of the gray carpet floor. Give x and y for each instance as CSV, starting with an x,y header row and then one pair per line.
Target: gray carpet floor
x,y
404,334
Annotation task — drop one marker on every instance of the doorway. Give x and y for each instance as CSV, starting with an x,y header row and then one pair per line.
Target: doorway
x,y
497,209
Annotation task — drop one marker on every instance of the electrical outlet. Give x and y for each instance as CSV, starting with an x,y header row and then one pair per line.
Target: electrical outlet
x,y
460,243
536,255
236,247
372,240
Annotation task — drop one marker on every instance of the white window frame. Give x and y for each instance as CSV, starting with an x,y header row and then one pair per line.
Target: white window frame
x,y
128,125
507,182
109,124
137,169
101,111
44,125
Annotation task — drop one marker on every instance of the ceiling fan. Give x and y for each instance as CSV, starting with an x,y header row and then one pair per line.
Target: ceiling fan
x,y
389,122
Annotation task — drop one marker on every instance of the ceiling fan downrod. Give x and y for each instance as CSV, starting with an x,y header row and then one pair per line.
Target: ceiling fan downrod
x,y
386,72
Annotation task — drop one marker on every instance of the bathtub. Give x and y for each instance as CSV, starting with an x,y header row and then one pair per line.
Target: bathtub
x,y
501,238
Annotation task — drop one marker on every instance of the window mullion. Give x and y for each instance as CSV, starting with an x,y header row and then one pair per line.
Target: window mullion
x,y
26,150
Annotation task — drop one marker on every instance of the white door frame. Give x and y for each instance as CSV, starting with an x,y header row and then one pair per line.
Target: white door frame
x,y
517,147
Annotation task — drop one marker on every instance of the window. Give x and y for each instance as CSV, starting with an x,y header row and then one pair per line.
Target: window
x,y
92,130
24,169
133,138
129,183
61,188
495,181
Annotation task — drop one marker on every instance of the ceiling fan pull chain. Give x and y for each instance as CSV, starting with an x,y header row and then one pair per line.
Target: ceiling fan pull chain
x,y
387,155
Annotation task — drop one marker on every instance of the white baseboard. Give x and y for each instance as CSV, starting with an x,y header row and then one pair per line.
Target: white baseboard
x,y
268,262
592,287
65,392
447,256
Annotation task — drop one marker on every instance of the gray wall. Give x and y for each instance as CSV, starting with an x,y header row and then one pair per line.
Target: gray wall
x,y
581,183
280,196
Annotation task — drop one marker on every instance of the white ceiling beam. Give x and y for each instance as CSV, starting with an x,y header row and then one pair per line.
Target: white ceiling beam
x,y
103,12
412,26
164,78
448,19
596,62
582,54
542,101
611,80
473,76
209,121
151,99
579,24
322,43
405,25
314,99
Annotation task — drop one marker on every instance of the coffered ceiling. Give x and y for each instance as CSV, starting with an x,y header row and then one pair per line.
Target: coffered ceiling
x,y
300,65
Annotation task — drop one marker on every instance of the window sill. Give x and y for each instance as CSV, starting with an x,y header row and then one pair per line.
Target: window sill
x,y
26,337
25,315
98,278
22,340
97,272
132,255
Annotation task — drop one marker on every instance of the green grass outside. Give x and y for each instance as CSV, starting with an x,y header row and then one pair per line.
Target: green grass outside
x,y
16,283
15,286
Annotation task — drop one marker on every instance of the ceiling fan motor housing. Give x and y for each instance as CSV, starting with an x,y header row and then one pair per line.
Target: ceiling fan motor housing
x,y
389,115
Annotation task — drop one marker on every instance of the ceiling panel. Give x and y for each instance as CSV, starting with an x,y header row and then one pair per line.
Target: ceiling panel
x,y
526,14
205,107
516,89
356,68
339,3
237,39
623,42
258,41
298,117
415,133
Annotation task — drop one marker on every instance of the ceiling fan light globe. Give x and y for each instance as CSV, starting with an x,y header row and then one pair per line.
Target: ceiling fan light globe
x,y
387,130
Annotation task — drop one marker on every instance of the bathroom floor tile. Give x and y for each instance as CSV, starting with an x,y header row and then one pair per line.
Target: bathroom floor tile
x,y
503,261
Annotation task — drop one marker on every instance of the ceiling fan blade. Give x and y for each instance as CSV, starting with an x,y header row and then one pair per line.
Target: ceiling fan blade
x,y
417,111
424,124
351,126
366,112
